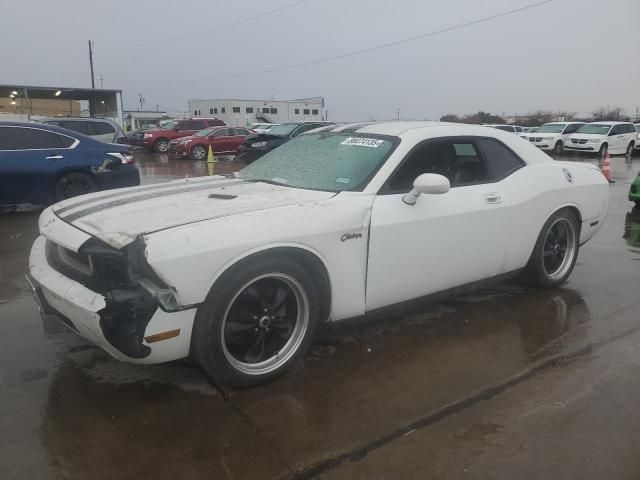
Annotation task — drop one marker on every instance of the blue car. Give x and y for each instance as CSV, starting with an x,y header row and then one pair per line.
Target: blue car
x,y
44,164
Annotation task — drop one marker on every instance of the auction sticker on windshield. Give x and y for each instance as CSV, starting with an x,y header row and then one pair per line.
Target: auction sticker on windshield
x,y
363,142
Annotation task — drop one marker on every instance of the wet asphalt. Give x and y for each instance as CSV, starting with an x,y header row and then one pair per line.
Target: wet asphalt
x,y
504,383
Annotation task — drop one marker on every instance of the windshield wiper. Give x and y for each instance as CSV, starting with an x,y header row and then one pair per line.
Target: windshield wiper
x,y
264,180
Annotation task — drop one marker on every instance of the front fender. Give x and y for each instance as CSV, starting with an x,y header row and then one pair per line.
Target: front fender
x,y
192,257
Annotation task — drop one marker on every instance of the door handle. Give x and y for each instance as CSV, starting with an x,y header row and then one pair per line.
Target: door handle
x,y
493,197
55,157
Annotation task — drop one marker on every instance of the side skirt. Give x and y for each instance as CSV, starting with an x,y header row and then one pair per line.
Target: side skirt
x,y
421,302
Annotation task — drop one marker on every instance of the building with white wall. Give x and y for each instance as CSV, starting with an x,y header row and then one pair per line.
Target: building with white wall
x,y
237,112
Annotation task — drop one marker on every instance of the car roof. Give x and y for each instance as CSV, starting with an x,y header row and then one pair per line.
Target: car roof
x,y
52,128
75,119
41,126
396,128
609,123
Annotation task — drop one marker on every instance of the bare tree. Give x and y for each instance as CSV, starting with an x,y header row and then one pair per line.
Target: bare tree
x,y
607,114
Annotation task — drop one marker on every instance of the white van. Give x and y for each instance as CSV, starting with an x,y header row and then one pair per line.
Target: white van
x,y
553,136
602,137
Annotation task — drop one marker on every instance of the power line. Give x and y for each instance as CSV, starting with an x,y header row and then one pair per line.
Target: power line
x,y
225,26
377,47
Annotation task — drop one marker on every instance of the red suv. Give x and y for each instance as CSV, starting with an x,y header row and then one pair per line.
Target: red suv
x,y
223,140
158,139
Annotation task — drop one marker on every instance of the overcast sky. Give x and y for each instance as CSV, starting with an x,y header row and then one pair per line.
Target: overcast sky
x,y
568,55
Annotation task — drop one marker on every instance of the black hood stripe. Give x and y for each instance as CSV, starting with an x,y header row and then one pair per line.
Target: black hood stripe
x,y
147,196
145,188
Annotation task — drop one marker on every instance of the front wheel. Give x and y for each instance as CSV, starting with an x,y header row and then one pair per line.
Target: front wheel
x,y
603,150
257,321
161,145
558,148
555,252
198,152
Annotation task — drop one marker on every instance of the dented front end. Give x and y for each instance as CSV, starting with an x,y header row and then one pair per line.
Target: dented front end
x,y
108,296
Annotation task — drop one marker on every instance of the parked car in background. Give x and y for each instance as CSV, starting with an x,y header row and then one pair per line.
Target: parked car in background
x,y
239,273
157,139
638,141
136,136
553,136
42,164
257,145
262,127
613,137
517,129
222,140
101,129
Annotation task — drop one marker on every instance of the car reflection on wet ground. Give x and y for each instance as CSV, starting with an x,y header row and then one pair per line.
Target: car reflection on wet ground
x,y
503,383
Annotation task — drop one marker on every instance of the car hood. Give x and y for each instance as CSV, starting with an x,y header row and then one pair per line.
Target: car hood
x,y
118,217
544,135
587,135
258,137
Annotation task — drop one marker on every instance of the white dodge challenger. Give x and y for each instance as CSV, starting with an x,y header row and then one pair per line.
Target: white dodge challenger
x,y
238,273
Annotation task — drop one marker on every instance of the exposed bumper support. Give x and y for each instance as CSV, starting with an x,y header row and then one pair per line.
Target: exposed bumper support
x,y
117,324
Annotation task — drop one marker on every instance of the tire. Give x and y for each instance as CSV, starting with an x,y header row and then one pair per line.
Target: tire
x,y
256,322
603,150
555,252
73,184
558,148
161,145
630,148
199,152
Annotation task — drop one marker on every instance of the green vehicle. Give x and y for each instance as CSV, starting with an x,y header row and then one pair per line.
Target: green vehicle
x,y
632,228
634,191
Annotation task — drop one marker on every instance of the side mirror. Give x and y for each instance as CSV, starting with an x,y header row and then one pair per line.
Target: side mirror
x,y
427,183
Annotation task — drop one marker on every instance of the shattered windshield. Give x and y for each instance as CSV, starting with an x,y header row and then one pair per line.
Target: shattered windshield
x,y
324,161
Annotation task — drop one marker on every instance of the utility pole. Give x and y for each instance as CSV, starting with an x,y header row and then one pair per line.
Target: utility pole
x,y
93,81
398,114
100,81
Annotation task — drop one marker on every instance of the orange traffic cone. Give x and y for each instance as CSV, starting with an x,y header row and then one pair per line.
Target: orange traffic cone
x,y
606,167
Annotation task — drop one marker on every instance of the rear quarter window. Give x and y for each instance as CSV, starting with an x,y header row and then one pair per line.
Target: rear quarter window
x,y
19,138
503,162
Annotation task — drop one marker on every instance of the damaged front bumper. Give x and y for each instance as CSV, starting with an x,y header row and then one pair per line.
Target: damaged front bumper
x,y
119,321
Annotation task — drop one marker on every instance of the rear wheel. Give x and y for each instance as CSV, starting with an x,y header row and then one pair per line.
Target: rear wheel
x,y
73,184
161,145
198,152
256,322
555,252
630,148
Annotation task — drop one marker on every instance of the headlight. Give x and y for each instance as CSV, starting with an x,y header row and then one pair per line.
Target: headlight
x,y
147,135
258,144
594,140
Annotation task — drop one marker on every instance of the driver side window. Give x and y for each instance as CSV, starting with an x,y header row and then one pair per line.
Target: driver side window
x,y
458,160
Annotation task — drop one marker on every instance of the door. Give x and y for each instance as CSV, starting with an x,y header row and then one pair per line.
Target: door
x,y
29,158
186,128
616,140
220,140
443,241
237,137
